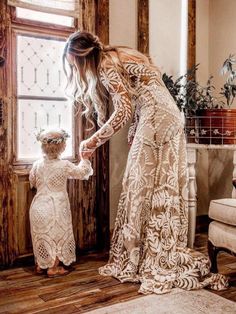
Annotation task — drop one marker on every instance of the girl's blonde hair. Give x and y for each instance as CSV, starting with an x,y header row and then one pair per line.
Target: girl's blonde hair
x,y
53,142
83,76
53,150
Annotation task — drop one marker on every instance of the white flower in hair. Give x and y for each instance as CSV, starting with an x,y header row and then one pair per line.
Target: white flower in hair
x,y
52,136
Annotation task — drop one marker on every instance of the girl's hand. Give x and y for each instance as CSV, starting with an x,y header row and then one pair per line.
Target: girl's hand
x,y
86,154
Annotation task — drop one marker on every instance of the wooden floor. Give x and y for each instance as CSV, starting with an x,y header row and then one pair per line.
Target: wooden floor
x,y
21,291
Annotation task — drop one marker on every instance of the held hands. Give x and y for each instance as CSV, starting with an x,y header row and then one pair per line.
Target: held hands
x,y
84,164
86,169
84,151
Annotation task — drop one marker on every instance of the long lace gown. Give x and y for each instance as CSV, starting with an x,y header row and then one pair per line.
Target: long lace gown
x,y
50,215
149,243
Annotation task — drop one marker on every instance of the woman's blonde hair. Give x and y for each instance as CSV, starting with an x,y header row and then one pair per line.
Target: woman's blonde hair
x,y
53,142
83,76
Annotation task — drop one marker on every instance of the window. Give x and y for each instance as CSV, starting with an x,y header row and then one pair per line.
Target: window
x,y
41,99
60,7
40,80
44,17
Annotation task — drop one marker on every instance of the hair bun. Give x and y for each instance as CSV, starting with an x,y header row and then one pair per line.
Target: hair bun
x,y
82,43
97,43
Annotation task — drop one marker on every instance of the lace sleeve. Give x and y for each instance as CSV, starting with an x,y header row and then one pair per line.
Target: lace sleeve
x,y
82,171
121,99
133,126
32,175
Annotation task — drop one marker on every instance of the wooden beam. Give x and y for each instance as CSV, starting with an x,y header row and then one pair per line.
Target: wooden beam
x,y
7,195
88,15
95,19
102,20
143,26
191,33
103,208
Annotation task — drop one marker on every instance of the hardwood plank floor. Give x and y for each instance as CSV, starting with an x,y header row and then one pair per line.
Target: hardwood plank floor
x,y
21,291
226,265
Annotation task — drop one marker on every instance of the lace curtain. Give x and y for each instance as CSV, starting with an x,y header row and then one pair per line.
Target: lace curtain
x,y
62,7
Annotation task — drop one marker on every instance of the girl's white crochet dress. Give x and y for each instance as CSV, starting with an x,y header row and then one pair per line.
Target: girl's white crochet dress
x,y
50,214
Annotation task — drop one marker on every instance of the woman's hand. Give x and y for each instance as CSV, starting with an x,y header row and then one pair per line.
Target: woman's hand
x,y
85,152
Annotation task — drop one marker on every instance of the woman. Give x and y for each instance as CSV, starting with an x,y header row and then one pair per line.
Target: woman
x,y
149,243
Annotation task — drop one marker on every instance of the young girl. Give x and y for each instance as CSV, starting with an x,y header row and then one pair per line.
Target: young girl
x,y
50,215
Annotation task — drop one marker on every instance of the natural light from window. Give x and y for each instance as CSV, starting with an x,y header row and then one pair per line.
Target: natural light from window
x,y
41,101
44,17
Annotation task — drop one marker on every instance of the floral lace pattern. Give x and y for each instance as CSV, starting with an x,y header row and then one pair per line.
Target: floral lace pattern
x,y
149,243
50,215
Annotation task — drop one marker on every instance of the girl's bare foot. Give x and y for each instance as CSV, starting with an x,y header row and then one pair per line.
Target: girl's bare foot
x,y
57,272
38,270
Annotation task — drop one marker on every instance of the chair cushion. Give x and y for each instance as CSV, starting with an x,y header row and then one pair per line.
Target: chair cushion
x,y
223,210
222,235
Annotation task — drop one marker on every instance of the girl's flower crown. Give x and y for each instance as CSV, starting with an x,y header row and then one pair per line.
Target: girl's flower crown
x,y
52,136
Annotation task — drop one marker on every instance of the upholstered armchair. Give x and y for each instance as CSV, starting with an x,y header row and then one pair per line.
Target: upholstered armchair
x,y
222,229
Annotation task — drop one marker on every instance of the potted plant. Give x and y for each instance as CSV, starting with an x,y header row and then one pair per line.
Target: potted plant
x,y
217,122
182,90
190,97
209,120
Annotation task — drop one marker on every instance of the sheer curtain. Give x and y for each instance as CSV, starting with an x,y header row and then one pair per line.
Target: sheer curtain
x,y
62,7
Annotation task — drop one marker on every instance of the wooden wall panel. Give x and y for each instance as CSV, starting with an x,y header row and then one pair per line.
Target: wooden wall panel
x,y
7,239
82,199
24,199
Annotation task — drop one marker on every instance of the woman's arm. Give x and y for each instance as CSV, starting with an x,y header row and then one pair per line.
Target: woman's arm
x,y
121,99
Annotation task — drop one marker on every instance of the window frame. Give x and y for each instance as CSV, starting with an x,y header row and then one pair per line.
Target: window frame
x,y
42,25
41,30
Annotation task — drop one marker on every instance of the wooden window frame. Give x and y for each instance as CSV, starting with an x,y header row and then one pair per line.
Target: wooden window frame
x,y
39,30
26,22
14,178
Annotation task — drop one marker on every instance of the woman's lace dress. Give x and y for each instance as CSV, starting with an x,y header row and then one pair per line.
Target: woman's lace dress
x,y
50,215
149,243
